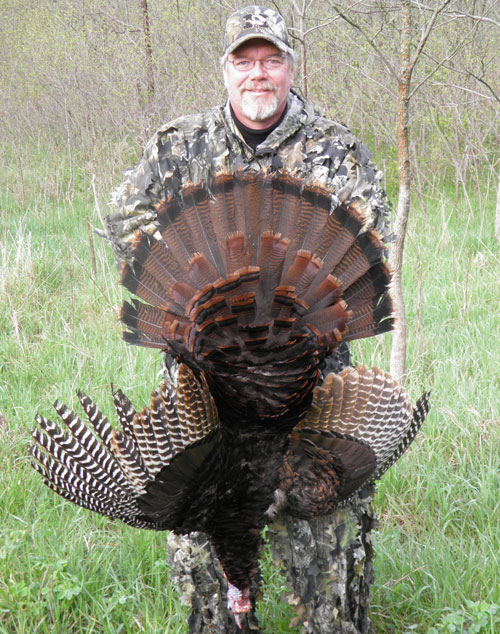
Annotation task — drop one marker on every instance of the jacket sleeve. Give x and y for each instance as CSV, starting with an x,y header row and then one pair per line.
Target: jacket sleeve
x,y
363,188
341,161
155,177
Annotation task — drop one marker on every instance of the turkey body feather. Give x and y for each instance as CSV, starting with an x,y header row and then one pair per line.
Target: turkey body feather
x,y
250,286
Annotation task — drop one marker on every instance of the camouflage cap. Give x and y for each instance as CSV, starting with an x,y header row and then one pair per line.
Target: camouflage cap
x,y
255,22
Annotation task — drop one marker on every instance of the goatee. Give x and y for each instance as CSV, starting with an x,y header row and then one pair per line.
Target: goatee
x,y
253,108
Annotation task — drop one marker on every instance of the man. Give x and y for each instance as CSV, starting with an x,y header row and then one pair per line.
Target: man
x,y
264,124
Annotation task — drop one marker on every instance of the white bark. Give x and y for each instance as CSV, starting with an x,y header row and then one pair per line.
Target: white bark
x,y
398,349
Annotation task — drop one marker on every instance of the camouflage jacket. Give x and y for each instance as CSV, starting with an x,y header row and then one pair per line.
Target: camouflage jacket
x,y
193,148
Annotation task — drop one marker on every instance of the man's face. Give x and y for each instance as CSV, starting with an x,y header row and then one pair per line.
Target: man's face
x,y
259,95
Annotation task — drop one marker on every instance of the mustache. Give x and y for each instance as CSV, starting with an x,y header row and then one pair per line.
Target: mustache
x,y
259,85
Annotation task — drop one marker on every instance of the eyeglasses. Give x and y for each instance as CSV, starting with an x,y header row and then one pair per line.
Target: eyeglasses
x,y
269,63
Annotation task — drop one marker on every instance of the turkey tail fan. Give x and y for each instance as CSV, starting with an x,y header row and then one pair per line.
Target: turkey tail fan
x,y
259,264
112,471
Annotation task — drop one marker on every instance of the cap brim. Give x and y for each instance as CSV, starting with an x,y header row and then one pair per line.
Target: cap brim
x,y
256,35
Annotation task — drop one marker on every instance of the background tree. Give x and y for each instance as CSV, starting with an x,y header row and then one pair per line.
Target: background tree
x,y
148,49
411,50
497,214
300,31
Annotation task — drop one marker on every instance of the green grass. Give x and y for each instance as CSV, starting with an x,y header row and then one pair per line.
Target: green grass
x,y
65,570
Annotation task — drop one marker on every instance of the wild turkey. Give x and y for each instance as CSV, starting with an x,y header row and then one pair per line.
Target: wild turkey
x,y
250,285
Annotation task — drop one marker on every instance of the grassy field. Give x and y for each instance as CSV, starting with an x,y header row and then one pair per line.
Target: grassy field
x,y
64,570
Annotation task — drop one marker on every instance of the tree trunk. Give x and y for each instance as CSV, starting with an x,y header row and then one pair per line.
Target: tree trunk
x,y
327,561
398,352
497,214
304,52
148,50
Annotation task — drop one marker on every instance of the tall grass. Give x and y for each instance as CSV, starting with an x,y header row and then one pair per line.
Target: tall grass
x,y
65,570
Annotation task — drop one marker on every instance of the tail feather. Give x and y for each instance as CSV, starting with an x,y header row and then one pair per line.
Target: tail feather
x,y
140,339
201,229
339,233
238,253
324,294
302,230
153,261
302,271
223,209
263,218
262,261
152,326
316,207
174,233
365,252
145,319
287,195
141,280
373,285
329,319
247,200
370,319
201,272
270,260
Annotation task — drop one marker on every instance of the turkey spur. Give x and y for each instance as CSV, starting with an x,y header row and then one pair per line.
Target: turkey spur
x,y
250,285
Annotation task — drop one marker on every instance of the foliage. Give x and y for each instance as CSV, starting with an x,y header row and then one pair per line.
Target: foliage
x,y
476,617
88,91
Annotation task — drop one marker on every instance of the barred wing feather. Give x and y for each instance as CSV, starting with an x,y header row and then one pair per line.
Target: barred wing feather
x,y
112,471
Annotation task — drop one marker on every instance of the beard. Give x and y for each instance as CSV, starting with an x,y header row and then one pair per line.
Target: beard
x,y
252,106
257,111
